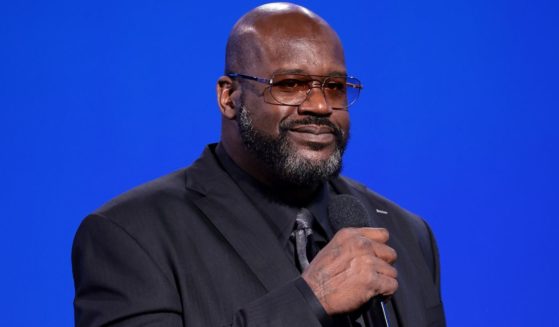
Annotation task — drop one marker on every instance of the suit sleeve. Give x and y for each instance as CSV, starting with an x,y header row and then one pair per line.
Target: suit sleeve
x,y
430,251
117,283
436,265
290,305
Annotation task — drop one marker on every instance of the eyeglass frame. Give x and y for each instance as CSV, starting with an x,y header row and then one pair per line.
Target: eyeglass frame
x,y
270,83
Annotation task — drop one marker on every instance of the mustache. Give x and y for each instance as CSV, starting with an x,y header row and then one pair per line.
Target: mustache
x,y
311,120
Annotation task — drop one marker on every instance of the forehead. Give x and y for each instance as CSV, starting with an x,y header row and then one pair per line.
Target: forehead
x,y
296,44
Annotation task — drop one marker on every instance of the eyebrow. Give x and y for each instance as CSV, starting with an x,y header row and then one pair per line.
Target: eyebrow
x,y
304,72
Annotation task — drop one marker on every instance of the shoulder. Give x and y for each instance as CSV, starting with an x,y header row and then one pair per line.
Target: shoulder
x,y
148,209
157,207
410,229
151,196
379,204
147,220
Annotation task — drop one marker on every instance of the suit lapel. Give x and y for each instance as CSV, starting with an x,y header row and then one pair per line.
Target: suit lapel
x,y
228,209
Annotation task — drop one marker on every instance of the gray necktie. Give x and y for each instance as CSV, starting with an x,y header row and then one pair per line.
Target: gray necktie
x,y
302,231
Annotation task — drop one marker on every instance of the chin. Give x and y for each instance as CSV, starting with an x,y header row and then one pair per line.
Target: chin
x,y
305,167
316,156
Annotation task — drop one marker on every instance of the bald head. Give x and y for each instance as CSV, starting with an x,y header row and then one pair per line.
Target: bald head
x,y
277,143
279,29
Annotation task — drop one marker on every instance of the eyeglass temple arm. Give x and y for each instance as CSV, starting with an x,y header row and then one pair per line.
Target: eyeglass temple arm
x,y
253,78
354,85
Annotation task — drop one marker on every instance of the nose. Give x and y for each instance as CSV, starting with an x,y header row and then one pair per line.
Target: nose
x,y
315,103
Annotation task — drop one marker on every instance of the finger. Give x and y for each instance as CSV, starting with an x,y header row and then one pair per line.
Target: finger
x,y
376,234
387,270
380,266
386,285
384,252
380,284
381,250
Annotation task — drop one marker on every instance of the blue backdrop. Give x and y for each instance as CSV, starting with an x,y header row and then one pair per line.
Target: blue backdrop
x,y
457,122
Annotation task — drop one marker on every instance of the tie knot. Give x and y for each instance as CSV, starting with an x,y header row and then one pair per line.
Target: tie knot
x,y
302,232
303,221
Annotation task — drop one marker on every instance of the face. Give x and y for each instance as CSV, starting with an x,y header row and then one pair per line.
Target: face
x,y
300,145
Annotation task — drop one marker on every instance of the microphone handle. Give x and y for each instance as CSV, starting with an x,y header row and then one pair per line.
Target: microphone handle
x,y
378,315
385,314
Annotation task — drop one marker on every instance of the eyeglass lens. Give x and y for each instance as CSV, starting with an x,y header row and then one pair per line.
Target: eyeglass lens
x,y
293,89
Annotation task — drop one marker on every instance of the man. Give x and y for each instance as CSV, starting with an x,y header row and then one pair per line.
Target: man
x,y
214,244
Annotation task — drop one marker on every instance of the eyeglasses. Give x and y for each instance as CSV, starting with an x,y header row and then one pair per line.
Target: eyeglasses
x,y
340,92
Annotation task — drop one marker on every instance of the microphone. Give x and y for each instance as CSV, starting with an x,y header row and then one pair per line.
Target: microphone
x,y
346,210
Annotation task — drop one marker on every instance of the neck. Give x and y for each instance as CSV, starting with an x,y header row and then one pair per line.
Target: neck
x,y
296,196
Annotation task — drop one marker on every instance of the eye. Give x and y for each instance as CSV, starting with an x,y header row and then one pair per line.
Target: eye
x,y
290,85
335,86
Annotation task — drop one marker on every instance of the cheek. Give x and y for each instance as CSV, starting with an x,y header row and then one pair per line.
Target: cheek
x,y
341,119
267,118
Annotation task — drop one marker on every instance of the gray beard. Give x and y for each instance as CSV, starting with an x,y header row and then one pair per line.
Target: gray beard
x,y
279,155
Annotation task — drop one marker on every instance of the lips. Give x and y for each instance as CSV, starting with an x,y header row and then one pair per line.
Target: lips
x,y
313,129
313,134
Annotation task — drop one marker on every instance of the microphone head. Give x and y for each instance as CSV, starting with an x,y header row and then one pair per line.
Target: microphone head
x,y
346,210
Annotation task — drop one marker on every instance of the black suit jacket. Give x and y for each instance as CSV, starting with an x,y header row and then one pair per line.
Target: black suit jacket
x,y
189,249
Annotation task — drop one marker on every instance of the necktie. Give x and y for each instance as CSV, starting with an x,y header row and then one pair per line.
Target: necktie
x,y
302,231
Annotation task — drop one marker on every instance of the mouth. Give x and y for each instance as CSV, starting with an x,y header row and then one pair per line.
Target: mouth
x,y
317,134
312,129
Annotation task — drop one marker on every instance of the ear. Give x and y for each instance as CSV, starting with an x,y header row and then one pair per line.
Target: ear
x,y
225,88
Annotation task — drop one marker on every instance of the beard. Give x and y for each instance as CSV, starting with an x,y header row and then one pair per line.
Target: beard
x,y
281,156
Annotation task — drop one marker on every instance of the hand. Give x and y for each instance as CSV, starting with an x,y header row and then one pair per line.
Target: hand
x,y
354,267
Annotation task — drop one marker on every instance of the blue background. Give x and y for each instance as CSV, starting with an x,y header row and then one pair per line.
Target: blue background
x,y
458,123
